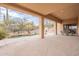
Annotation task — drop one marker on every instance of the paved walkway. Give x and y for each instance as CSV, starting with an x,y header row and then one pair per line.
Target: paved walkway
x,y
51,45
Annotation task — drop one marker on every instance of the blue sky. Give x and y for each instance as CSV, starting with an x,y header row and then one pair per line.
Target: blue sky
x,y
13,13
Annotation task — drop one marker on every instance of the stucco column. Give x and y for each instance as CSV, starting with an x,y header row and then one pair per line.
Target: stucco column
x,y
41,26
78,27
56,27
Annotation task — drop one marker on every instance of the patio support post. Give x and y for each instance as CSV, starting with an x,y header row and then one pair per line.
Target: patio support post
x,y
56,27
78,26
42,27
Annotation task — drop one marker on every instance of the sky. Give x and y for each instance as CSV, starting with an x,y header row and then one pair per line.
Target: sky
x,y
13,13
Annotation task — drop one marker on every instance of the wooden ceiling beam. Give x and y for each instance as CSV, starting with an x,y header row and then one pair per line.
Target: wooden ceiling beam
x,y
54,18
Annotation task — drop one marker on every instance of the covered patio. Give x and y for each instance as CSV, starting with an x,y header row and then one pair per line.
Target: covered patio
x,y
65,40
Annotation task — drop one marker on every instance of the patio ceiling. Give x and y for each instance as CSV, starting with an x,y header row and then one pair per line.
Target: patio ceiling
x,y
61,11
54,11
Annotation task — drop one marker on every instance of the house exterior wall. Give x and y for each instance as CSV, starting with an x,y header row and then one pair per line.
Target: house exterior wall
x,y
68,21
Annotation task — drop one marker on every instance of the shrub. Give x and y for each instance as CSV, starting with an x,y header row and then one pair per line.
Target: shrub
x,y
3,33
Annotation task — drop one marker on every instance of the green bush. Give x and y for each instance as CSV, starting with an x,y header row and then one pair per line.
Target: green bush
x,y
3,33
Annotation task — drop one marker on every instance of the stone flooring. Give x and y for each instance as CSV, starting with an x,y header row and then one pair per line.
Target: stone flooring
x,y
34,46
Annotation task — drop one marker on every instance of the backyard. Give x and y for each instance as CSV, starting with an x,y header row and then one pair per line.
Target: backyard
x,y
16,24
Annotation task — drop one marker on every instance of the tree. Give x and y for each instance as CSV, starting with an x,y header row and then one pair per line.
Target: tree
x,y
49,24
29,26
3,33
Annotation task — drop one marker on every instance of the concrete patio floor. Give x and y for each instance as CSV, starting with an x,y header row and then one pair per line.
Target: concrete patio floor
x,y
33,46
